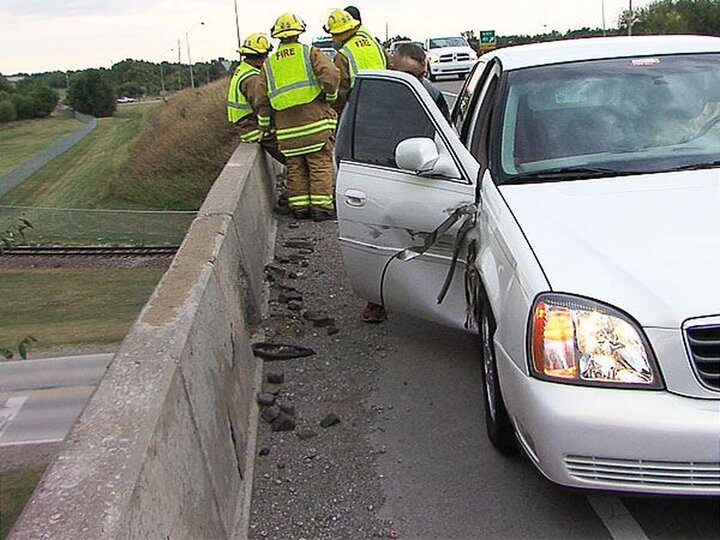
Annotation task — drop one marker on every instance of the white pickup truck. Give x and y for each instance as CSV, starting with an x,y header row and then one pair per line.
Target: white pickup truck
x,y
449,56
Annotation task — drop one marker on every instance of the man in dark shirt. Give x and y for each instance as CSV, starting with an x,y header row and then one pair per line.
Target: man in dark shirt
x,y
411,59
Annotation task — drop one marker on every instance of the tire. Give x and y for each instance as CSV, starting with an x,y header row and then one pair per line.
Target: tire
x,y
497,420
432,77
461,76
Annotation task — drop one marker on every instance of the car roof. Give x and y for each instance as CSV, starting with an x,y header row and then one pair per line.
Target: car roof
x,y
576,50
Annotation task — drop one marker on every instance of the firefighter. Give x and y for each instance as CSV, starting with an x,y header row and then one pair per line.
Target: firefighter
x,y
243,94
298,83
359,50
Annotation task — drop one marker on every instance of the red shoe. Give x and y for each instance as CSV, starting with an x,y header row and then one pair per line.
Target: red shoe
x,y
373,313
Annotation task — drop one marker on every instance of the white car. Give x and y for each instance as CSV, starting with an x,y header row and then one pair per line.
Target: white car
x,y
577,196
449,56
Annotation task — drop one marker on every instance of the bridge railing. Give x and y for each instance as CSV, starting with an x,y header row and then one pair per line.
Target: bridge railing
x,y
164,448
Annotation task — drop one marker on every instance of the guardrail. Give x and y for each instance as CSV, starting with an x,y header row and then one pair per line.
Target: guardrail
x,y
162,449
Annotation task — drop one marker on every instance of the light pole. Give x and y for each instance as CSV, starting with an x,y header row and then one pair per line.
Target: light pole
x,y
162,74
187,42
237,25
630,21
603,19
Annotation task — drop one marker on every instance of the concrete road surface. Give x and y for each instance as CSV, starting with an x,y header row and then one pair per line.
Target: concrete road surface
x,y
40,400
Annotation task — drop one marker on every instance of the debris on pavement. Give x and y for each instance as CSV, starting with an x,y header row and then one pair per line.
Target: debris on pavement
x,y
329,421
280,351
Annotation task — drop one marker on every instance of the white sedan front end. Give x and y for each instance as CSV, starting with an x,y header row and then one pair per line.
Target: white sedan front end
x,y
618,440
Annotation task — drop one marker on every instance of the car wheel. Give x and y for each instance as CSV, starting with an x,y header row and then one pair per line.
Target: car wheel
x,y
432,77
461,76
497,420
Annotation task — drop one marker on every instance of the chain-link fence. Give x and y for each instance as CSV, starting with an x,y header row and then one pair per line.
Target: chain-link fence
x,y
97,227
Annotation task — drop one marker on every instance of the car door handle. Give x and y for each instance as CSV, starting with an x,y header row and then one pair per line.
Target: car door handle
x,y
353,197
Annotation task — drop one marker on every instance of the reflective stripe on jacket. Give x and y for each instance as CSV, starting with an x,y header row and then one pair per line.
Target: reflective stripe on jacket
x,y
290,77
238,106
363,52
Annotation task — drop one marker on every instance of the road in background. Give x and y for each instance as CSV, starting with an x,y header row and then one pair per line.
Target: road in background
x,y
450,88
40,400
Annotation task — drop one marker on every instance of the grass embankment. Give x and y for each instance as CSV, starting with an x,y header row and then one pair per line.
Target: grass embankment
x,y
15,489
81,177
22,139
72,306
155,156
181,151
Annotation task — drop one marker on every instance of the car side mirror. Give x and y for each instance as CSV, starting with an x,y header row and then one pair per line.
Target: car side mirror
x,y
421,156
417,155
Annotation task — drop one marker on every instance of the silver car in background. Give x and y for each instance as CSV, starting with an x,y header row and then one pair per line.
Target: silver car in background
x,y
570,215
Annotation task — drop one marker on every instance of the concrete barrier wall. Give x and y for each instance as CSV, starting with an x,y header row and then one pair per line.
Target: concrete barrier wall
x,y
161,449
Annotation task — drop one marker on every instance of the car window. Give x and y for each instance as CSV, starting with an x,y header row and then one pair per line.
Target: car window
x,y
437,43
462,106
386,113
480,144
636,115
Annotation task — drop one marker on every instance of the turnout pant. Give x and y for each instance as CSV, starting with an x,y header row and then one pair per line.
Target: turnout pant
x,y
310,179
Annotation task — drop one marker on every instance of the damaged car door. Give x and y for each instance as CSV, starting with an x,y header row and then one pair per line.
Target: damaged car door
x,y
405,187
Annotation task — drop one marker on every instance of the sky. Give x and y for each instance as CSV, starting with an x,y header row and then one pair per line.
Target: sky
x,y
47,35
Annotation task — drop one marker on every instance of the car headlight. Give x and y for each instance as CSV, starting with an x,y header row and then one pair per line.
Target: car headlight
x,y
579,341
433,59
473,55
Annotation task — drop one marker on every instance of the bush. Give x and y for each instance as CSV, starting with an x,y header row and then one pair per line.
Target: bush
x,y
90,93
45,100
24,106
7,111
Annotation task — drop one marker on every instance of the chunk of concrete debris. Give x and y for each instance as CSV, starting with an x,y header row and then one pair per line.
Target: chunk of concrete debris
x,y
265,399
275,377
286,406
270,414
298,243
284,422
305,434
289,296
330,420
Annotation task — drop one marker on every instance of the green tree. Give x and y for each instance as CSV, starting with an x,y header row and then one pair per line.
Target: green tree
x,y
7,111
24,106
5,85
91,93
675,17
129,89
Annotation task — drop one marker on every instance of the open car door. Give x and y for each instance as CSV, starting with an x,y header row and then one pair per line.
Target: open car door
x,y
402,172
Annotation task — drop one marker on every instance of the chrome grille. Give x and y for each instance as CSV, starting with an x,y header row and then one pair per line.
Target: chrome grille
x,y
644,473
446,58
462,57
704,343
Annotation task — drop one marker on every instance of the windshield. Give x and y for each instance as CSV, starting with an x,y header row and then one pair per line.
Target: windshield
x,y
438,43
608,117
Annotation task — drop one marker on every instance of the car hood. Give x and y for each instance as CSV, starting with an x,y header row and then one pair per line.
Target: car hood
x,y
649,244
449,50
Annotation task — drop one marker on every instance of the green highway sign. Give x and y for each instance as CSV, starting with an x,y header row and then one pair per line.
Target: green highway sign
x,y
487,37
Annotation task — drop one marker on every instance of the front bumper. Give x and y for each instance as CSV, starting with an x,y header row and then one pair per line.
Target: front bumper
x,y
612,439
451,68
